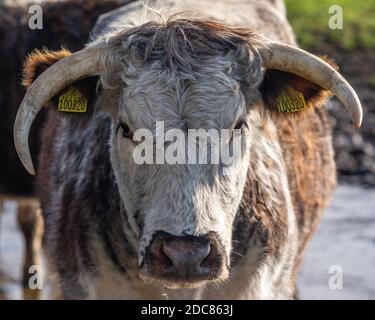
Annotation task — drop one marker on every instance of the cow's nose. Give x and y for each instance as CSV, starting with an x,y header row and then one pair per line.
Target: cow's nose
x,y
184,258
186,255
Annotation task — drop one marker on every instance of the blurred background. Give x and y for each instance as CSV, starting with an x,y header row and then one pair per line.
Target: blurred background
x,y
346,235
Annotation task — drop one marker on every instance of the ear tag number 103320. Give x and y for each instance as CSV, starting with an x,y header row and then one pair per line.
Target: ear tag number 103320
x,y
72,101
290,100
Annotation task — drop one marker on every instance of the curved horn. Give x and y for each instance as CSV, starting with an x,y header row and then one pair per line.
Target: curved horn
x,y
297,61
58,76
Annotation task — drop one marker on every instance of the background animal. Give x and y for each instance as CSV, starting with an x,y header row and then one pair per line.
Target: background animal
x,y
65,24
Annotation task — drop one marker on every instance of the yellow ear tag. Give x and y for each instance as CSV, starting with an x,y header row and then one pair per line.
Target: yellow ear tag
x,y
72,101
290,100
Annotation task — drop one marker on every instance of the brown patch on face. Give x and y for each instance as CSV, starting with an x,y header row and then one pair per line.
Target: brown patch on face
x,y
273,218
264,202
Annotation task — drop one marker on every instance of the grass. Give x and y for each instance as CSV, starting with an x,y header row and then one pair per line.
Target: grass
x,y
371,82
310,22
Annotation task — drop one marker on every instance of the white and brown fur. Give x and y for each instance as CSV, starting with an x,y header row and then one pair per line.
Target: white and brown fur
x,y
101,210
70,30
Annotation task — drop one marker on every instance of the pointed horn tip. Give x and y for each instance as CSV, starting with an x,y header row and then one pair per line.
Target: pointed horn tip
x,y
357,118
357,125
24,156
30,170
28,165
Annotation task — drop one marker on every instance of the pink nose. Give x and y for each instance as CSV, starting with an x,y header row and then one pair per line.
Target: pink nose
x,y
186,258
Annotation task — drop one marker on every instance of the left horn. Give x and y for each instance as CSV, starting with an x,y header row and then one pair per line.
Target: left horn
x,y
79,65
290,59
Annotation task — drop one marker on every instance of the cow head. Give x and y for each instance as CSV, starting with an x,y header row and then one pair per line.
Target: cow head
x,y
184,75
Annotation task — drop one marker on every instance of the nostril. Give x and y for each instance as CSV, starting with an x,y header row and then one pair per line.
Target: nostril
x,y
172,253
162,260
211,258
206,256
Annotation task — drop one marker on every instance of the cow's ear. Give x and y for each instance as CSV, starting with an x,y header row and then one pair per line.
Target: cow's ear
x,y
40,60
289,94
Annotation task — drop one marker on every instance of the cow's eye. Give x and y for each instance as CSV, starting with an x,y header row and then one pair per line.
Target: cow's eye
x,y
126,132
239,124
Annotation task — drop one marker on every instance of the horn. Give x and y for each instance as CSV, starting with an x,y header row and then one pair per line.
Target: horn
x,y
87,63
291,59
79,65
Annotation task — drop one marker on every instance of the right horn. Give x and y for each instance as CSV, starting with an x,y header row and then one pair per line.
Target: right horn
x,y
79,65
291,59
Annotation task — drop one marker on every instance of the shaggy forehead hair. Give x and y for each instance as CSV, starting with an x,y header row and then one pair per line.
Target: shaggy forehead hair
x,y
182,49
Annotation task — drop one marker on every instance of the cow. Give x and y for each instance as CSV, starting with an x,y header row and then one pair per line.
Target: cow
x,y
116,228
70,30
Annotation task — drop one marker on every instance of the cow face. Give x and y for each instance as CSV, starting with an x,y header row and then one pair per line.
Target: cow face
x,y
175,80
159,83
182,207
